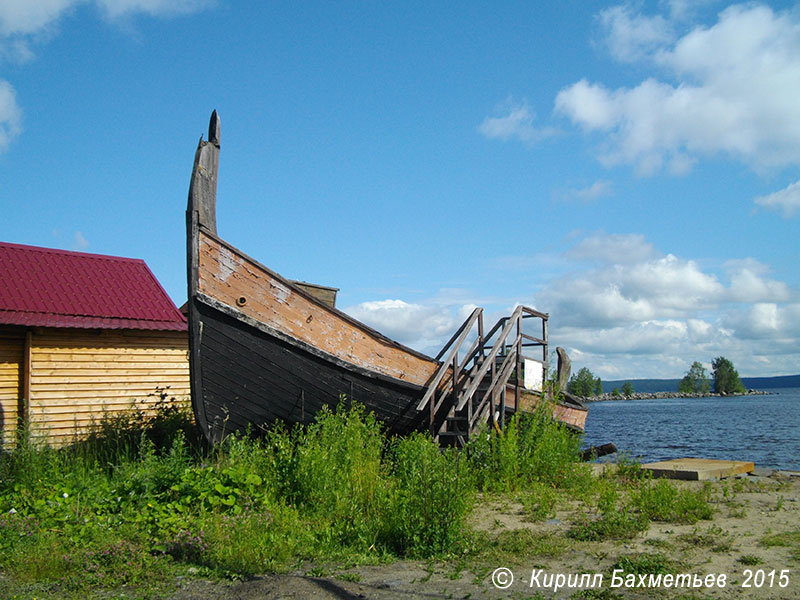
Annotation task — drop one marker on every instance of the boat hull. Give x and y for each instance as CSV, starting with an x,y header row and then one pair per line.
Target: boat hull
x,y
250,378
263,349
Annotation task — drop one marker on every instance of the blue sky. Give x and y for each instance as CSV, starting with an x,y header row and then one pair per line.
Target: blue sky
x,y
631,169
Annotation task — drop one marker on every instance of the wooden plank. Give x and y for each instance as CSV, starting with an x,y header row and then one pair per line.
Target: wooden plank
x,y
11,357
84,414
82,336
98,369
98,375
698,469
228,276
78,377
132,392
115,404
249,376
65,346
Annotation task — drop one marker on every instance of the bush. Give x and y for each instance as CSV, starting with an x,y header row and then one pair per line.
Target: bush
x,y
434,495
338,475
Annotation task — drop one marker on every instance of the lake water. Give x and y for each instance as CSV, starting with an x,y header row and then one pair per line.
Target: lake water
x,y
761,429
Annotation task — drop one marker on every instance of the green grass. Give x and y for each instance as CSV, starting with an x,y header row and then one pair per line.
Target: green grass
x,y
714,538
789,539
645,563
662,500
143,500
610,525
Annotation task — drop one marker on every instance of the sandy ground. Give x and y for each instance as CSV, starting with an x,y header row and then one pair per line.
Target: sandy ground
x,y
747,510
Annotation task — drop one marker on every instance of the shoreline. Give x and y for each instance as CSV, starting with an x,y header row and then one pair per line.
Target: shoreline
x,y
662,395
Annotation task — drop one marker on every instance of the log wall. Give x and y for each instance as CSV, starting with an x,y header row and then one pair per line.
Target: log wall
x,y
11,351
78,377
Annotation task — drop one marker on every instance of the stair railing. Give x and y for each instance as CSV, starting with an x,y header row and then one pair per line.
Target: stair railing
x,y
460,380
450,365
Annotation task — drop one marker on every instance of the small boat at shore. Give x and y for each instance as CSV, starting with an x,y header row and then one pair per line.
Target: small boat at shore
x,y
264,348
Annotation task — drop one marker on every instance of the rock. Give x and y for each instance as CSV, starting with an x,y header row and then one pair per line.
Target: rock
x,y
788,473
762,472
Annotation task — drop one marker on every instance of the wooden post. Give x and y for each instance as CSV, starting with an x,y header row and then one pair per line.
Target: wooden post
x,y
203,185
519,364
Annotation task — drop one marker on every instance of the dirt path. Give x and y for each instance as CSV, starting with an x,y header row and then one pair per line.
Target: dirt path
x,y
732,545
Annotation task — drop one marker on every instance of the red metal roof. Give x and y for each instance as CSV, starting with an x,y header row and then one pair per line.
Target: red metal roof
x,y
42,287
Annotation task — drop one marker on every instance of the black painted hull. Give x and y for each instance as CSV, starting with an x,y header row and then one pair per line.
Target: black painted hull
x,y
249,378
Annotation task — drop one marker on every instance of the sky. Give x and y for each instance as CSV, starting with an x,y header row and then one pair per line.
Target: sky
x,y
633,169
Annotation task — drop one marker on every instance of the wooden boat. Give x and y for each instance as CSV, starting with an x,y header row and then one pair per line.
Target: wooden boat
x,y
265,349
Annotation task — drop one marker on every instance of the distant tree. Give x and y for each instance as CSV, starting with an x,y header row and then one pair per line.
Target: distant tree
x,y
695,381
627,389
615,392
726,378
581,383
598,387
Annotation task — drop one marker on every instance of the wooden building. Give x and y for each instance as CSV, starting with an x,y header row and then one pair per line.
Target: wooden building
x,y
83,336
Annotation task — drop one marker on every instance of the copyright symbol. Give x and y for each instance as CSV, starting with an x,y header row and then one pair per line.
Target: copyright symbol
x,y
502,578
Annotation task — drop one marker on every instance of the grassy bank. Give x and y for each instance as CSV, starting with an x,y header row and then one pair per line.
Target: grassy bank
x,y
143,502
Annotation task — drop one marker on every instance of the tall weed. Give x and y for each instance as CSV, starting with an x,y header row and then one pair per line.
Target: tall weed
x,y
661,500
433,495
338,476
533,448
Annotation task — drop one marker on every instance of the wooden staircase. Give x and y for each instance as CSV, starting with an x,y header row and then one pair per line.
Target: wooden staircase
x,y
478,372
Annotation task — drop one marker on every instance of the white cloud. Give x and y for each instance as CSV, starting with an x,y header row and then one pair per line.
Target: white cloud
x,y
10,115
631,36
776,324
733,91
26,17
627,310
25,22
786,200
641,287
79,242
598,189
157,8
31,16
624,309
612,249
420,326
749,284
515,122
646,337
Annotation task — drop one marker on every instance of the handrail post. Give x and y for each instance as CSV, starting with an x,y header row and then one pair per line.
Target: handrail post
x,y
481,341
432,403
456,390
519,364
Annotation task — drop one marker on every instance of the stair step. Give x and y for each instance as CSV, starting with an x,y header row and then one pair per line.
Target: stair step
x,y
458,430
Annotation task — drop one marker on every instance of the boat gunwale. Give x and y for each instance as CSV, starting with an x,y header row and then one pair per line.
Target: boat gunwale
x,y
376,335
236,314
